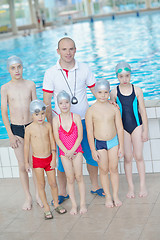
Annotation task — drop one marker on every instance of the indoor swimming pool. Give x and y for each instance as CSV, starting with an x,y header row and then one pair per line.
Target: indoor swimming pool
x,y
101,44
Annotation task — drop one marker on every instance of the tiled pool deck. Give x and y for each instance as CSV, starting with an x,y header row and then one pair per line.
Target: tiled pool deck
x,y
136,219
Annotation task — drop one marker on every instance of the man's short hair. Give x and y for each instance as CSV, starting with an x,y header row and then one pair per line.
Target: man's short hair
x,y
66,38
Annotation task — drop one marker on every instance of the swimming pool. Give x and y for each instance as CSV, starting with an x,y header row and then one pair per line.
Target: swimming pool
x,y
101,44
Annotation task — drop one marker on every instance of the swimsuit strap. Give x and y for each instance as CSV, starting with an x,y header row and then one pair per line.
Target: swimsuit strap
x,y
118,89
59,118
133,92
72,116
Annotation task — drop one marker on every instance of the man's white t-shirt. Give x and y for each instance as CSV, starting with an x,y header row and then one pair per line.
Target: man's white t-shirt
x,y
80,74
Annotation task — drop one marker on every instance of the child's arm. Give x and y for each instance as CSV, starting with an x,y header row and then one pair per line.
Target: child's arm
x,y
53,147
120,132
78,122
14,140
56,135
26,148
143,114
34,95
90,134
113,95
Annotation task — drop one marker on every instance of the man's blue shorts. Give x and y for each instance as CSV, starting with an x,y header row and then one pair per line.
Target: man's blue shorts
x,y
86,149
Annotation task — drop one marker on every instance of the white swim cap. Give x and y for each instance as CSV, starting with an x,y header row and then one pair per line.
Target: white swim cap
x,y
36,106
63,95
12,60
122,66
102,84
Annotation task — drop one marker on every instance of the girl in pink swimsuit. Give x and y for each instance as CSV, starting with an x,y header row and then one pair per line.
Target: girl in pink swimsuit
x,y
68,134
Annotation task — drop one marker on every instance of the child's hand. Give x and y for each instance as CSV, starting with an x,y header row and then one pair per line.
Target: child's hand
x,y
120,153
53,164
27,167
69,154
114,103
96,156
144,136
14,141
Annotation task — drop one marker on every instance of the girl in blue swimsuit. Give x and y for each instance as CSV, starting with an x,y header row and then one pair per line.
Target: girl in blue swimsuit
x,y
131,103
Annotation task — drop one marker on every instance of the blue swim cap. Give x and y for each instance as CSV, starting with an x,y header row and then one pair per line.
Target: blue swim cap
x,y
12,60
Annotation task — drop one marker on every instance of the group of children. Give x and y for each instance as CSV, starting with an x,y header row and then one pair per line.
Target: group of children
x,y
113,132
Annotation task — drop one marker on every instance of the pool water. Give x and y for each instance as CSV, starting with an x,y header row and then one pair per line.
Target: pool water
x,y
101,44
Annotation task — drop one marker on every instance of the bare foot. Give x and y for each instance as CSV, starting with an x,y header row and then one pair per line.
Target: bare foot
x,y
130,194
39,202
73,211
143,193
117,202
27,205
109,202
83,210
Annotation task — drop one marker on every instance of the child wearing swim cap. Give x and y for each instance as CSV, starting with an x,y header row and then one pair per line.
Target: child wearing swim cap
x,y
105,136
17,95
39,135
131,102
68,134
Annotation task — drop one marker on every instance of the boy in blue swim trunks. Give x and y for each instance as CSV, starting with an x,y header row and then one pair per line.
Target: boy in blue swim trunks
x,y
105,136
131,102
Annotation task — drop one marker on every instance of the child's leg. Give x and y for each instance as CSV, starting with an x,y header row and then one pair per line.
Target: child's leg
x,y
128,157
78,169
103,170
69,170
19,152
38,200
114,175
138,155
39,172
51,175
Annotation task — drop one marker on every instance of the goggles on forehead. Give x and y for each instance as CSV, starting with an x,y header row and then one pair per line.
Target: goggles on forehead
x,y
39,110
125,69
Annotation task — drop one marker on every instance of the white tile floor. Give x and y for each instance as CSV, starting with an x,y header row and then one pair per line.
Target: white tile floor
x,y
137,219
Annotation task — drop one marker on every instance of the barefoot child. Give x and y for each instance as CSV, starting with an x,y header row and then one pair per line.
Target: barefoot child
x,y
39,135
104,123
17,95
131,102
68,135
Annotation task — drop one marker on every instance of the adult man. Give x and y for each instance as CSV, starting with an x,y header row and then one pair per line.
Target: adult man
x,y
73,77
18,93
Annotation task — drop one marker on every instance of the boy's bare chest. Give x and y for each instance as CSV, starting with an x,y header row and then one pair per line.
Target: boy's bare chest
x,y
19,94
40,134
104,115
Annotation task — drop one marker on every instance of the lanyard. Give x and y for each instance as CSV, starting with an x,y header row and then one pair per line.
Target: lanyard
x,y
68,84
